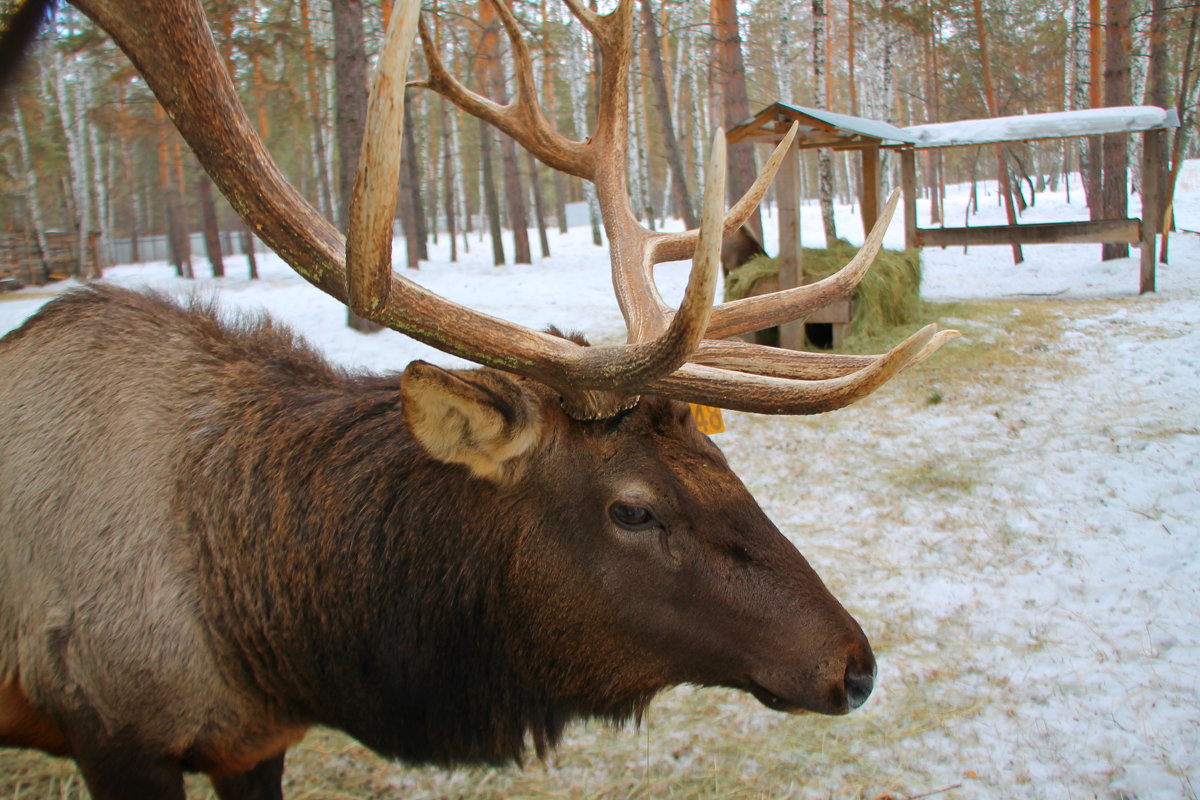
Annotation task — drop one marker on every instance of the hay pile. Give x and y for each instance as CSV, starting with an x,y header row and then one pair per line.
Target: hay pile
x,y
888,297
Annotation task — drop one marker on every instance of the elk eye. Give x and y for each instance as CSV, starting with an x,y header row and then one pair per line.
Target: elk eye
x,y
631,517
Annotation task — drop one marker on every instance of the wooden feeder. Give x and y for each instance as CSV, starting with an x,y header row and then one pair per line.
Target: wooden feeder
x,y
818,128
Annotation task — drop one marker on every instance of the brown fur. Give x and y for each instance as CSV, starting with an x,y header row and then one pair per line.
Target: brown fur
x,y
210,539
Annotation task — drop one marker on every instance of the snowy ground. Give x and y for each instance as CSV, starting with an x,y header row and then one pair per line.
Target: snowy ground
x,y
1014,523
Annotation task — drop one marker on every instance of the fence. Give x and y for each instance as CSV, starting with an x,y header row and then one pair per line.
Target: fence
x,y
21,258
157,248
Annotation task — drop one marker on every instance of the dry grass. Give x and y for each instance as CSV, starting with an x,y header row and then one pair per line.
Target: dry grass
x,y
721,744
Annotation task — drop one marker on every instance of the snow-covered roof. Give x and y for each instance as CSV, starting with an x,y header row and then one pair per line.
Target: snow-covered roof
x,y
861,125
1057,125
819,128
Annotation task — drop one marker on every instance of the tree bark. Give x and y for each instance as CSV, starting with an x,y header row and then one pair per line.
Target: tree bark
x,y
514,200
69,115
1090,159
850,57
579,98
1115,189
448,179
490,202
821,88
208,216
539,207
1177,139
413,213
662,105
730,74
1154,186
312,85
350,111
989,90
32,193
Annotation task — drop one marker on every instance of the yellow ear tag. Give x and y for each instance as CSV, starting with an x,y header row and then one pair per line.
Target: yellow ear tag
x,y
708,419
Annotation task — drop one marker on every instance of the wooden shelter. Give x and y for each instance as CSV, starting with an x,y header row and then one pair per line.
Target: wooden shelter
x,y
1152,122
821,128
818,128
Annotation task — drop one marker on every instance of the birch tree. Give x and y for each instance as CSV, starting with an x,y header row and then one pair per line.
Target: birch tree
x,y
821,88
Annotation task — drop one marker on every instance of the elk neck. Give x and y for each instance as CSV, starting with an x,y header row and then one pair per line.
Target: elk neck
x,y
357,579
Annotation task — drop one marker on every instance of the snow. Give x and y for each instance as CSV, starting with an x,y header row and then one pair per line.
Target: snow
x,y
1059,124
876,129
1023,552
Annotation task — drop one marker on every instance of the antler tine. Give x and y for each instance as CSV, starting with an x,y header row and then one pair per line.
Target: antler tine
x,y
765,311
373,201
521,119
774,395
654,355
778,362
758,359
526,94
677,246
598,25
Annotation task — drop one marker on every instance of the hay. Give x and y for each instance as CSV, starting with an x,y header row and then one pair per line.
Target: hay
x,y
888,297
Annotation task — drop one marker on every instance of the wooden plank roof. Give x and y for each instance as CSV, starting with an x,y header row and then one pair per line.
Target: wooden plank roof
x,y
818,128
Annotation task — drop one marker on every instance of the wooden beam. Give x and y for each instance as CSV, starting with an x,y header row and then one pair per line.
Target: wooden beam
x,y
1153,152
1102,230
908,184
870,188
791,266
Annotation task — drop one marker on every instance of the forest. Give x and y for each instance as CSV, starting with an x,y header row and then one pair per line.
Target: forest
x,y
87,154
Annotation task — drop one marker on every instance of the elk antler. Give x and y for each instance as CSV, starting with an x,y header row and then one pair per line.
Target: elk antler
x,y
172,46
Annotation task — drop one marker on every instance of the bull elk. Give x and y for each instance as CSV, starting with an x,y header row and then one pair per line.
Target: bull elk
x,y
211,539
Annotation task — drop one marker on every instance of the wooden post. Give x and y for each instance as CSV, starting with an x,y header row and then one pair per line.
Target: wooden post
x,y
870,187
791,265
93,240
908,184
1153,152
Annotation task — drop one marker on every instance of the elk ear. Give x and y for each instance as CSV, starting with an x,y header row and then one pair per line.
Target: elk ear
x,y
479,418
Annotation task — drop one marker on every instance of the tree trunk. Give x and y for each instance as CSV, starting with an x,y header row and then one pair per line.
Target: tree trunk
x,y
98,198
1115,190
1153,206
731,77
933,163
559,182
1177,140
1090,158
316,118
989,90
177,184
821,88
662,105
448,179
490,202
414,185
69,111
579,104
208,215
412,214
350,110
539,208
32,193
850,65
488,78
514,201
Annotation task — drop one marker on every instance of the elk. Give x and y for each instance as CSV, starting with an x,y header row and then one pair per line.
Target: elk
x,y
211,539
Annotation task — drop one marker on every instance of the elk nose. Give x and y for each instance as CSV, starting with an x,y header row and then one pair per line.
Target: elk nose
x,y
858,685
